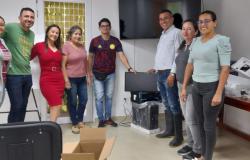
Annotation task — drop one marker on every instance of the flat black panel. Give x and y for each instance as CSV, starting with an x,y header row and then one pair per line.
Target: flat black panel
x,y
30,141
24,150
139,19
141,81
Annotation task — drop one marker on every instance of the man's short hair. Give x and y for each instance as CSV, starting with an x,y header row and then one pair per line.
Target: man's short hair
x,y
104,20
26,9
166,11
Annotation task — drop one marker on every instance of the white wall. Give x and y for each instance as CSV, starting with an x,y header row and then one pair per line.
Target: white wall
x,y
232,18
10,9
140,53
233,21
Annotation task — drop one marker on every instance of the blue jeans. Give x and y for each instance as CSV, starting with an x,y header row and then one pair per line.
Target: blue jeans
x,y
77,97
18,88
103,93
169,95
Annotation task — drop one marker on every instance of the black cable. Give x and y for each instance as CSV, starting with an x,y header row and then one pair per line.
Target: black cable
x,y
126,121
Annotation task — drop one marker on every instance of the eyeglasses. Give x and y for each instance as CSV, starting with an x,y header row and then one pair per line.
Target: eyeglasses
x,y
205,22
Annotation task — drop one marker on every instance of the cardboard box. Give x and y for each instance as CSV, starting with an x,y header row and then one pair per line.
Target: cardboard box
x,y
93,145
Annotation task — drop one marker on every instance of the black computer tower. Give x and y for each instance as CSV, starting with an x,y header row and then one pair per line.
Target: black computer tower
x,y
140,97
145,114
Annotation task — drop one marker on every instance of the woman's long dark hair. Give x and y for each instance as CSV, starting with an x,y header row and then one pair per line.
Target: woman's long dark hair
x,y
2,19
58,43
182,45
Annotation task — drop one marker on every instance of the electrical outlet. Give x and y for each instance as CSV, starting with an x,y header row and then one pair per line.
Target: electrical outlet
x,y
126,99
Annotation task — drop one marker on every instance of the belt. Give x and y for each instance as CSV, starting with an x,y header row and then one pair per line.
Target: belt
x,y
161,71
52,69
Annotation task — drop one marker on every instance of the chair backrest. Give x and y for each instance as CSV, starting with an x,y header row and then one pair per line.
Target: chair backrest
x,y
30,141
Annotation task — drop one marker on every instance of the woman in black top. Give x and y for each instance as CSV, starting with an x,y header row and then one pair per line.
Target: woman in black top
x,y
193,147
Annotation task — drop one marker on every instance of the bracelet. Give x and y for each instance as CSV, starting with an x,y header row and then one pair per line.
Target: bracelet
x,y
129,69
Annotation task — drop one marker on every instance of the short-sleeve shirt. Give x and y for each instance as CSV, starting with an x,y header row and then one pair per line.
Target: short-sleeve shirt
x,y
105,53
19,43
208,57
76,60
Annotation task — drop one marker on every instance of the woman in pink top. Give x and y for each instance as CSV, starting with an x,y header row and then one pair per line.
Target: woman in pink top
x,y
75,75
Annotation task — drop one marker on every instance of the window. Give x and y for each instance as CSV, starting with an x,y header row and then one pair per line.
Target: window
x,y
64,14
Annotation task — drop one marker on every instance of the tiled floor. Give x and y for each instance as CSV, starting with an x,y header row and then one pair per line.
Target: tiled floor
x,y
132,144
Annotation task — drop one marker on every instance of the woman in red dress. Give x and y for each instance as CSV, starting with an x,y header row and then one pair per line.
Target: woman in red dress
x,y
51,77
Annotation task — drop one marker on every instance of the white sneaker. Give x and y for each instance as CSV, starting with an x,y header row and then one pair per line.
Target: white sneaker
x,y
75,129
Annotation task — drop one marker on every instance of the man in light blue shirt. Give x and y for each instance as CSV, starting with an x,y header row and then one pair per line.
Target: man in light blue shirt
x,y
164,62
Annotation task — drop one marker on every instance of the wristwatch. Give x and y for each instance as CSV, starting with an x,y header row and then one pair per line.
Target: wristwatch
x,y
129,69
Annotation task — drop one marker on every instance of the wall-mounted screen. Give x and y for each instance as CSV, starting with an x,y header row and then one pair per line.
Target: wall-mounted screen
x,y
139,18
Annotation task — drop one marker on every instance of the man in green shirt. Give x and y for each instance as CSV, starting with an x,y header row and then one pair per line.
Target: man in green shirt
x,y
19,39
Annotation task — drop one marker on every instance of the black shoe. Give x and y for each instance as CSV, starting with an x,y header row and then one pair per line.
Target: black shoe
x,y
184,150
101,124
191,156
176,142
111,122
165,134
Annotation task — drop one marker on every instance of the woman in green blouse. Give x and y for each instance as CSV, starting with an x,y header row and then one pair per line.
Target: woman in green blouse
x,y
208,63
